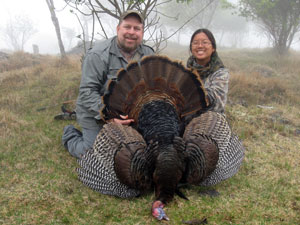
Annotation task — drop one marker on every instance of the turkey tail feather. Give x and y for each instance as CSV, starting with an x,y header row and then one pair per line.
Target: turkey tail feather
x,y
154,78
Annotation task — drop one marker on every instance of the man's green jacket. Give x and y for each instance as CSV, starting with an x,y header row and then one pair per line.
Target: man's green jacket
x,y
101,64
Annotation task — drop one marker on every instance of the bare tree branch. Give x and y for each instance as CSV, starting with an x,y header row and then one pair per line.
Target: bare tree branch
x,y
57,28
148,9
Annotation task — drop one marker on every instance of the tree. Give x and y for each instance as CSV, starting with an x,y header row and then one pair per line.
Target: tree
x,y
18,31
229,26
69,35
148,8
190,16
280,19
202,11
57,28
194,15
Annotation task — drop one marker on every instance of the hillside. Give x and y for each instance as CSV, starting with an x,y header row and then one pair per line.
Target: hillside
x,y
39,185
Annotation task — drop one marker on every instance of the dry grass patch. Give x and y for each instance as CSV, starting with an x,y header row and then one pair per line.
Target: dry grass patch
x,y
255,89
20,60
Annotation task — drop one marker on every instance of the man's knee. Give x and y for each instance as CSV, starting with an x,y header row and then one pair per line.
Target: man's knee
x,y
76,142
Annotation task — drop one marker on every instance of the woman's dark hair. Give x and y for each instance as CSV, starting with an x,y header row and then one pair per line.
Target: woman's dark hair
x,y
208,34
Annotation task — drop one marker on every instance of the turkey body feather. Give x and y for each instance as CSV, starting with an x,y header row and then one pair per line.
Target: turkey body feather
x,y
159,150
230,151
100,167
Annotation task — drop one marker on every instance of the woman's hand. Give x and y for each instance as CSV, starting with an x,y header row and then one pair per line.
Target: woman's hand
x,y
124,120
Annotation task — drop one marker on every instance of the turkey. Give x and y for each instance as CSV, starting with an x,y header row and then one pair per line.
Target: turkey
x,y
163,147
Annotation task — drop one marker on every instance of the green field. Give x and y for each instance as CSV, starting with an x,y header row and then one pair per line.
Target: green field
x,y
39,185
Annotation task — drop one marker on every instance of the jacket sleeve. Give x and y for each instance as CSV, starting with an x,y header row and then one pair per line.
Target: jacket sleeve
x,y
94,76
217,89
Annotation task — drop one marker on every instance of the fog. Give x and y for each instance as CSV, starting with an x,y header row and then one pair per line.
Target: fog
x,y
38,12
230,31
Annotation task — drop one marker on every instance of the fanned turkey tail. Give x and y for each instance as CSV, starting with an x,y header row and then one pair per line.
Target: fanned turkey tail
x,y
155,78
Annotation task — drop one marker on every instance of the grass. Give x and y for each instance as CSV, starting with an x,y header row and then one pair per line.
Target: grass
x,y
39,185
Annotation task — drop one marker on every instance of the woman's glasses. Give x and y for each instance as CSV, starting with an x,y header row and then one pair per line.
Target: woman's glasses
x,y
203,43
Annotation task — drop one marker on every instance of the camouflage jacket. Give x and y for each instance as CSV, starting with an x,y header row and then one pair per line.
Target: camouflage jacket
x,y
215,78
100,64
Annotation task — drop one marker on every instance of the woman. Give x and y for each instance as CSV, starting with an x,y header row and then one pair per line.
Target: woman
x,y
206,61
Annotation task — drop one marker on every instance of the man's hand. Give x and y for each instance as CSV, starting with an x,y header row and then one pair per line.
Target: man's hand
x,y
124,120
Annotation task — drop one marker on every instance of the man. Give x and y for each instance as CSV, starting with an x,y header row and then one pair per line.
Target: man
x,y
101,64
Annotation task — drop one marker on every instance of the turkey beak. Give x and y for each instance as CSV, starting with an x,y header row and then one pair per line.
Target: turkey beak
x,y
158,212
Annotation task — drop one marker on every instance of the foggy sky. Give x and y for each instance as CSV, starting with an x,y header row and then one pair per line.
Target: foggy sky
x,y
46,39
